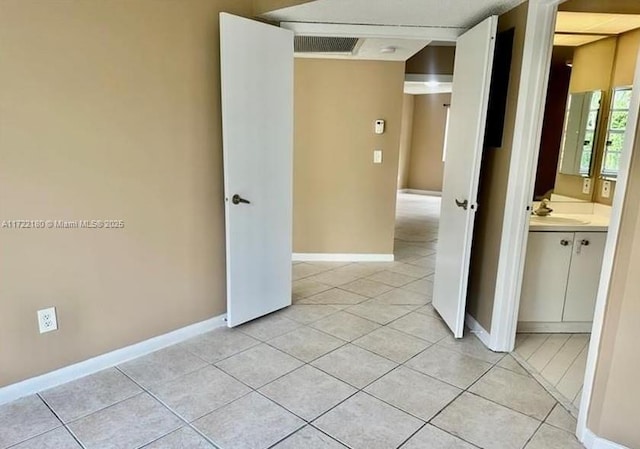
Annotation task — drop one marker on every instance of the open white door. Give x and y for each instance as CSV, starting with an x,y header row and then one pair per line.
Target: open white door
x,y
467,119
257,132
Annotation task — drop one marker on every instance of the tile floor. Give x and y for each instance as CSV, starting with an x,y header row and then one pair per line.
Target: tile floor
x,y
361,360
558,361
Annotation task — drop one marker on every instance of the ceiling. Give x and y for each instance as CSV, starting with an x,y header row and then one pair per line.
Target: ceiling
x,y
460,14
579,28
376,49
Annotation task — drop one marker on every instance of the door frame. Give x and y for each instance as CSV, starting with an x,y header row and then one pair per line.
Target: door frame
x,y
538,46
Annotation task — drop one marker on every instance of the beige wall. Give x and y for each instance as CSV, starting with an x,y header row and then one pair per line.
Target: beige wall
x,y
406,134
432,60
110,110
616,394
429,119
493,187
343,203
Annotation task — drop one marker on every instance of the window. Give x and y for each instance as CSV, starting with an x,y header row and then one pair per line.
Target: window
x,y
618,117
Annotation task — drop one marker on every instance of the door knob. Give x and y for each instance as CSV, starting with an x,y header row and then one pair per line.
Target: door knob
x,y
463,204
237,199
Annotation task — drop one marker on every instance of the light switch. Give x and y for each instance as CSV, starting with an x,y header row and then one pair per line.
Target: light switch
x,y
586,186
377,156
606,189
379,126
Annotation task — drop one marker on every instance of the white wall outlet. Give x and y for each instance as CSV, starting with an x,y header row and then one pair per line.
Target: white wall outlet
x,y
377,156
47,320
606,189
586,186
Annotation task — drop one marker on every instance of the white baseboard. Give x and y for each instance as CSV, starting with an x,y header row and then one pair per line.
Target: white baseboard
x,y
332,257
532,327
478,330
421,192
95,364
593,441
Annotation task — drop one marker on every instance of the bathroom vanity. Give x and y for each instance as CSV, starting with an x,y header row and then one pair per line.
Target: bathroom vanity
x,y
562,271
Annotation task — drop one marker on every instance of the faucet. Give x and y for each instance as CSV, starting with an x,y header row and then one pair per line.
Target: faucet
x,y
543,209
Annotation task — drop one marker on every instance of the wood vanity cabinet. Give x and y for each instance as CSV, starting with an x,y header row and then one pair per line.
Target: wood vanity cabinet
x,y
562,273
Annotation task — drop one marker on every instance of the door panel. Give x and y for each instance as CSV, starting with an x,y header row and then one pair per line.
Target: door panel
x,y
467,119
257,132
584,276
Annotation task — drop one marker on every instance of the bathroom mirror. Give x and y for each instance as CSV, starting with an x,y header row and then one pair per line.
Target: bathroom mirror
x,y
579,133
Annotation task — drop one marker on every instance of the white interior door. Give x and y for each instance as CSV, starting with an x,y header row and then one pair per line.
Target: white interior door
x,y
468,113
257,133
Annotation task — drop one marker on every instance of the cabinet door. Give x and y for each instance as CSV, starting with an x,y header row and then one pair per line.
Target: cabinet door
x,y
584,276
545,276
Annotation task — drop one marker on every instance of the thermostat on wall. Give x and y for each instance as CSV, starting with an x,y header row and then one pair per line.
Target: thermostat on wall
x,y
379,126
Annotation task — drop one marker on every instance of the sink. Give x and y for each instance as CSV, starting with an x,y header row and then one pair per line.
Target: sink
x,y
552,220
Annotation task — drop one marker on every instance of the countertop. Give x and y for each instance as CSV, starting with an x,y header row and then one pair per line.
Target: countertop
x,y
569,223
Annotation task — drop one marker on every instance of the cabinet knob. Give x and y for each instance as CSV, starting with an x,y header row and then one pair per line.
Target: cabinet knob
x,y
584,242
564,242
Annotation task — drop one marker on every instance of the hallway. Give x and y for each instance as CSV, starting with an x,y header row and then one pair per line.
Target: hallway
x,y
360,360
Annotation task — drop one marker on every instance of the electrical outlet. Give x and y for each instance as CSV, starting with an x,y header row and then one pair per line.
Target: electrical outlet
x,y
586,186
606,189
47,320
377,156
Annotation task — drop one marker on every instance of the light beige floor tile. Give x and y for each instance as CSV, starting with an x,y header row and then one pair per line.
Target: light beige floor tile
x,y
363,269
392,344
131,423
58,438
486,424
196,394
354,365
430,437
422,326
547,351
562,419
366,287
548,437
578,399
508,362
409,269
518,392
379,313
252,421
422,286
335,278
364,422
530,345
309,438
183,438
334,296
306,343
303,288
307,392
308,313
269,326
449,366
89,394
219,344
304,270
391,278
345,326
415,393
564,358
401,296
470,345
571,383
259,365
162,366
24,419
429,310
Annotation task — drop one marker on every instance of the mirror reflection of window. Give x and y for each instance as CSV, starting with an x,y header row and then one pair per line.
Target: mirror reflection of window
x,y
579,133
616,128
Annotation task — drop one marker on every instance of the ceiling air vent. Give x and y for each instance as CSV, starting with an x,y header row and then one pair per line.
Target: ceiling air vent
x,y
324,44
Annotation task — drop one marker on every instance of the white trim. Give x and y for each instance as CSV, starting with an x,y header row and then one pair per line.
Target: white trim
x,y
632,140
536,60
477,329
593,441
373,31
422,192
95,364
333,257
569,327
